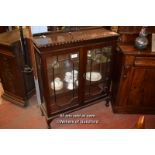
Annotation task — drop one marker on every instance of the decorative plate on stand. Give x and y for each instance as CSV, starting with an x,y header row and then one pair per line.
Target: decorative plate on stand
x,y
93,76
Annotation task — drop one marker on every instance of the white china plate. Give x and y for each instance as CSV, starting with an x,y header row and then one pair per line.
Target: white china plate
x,y
58,85
95,76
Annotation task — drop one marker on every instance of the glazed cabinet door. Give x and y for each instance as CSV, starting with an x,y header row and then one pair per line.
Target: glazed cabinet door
x,y
63,80
97,75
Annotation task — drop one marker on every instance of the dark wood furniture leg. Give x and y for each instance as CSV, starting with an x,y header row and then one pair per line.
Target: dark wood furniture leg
x,y
49,124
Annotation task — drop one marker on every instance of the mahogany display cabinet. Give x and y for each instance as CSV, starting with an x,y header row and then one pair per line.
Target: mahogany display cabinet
x,y
18,83
74,69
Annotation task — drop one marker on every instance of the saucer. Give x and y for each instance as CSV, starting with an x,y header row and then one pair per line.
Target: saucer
x,y
95,76
58,85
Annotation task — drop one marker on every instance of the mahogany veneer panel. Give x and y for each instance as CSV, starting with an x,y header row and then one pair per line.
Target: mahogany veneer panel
x,y
134,83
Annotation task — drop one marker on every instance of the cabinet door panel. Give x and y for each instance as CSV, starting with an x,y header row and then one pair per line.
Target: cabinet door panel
x,y
63,75
142,87
136,91
98,70
149,87
10,75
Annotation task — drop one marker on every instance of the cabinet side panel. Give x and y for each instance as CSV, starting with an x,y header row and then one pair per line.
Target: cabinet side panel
x,y
11,76
125,81
116,73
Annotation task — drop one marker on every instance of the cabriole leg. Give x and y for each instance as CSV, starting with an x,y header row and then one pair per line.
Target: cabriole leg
x,y
49,124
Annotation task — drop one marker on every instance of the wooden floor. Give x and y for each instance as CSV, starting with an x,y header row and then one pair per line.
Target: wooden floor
x,y
15,117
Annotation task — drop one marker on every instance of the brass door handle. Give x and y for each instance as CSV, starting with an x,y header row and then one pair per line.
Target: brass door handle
x,y
27,69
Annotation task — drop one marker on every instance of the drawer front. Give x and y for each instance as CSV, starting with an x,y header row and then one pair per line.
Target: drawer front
x,y
145,61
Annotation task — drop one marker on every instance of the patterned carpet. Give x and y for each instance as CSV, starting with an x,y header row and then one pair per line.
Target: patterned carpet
x,y
96,116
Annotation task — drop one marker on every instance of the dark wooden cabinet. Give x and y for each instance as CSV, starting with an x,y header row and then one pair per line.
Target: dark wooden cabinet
x,y
133,80
18,84
3,29
74,69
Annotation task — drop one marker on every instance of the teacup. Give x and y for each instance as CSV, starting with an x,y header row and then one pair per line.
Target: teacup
x,y
57,79
70,86
68,74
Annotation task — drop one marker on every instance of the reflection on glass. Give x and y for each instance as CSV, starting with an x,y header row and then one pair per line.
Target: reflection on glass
x,y
55,64
91,54
97,71
100,58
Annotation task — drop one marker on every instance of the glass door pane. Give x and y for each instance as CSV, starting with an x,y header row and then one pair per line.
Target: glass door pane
x,y
63,72
97,72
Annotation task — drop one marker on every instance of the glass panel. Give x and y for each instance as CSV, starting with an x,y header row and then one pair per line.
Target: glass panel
x,y
38,62
63,79
97,71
